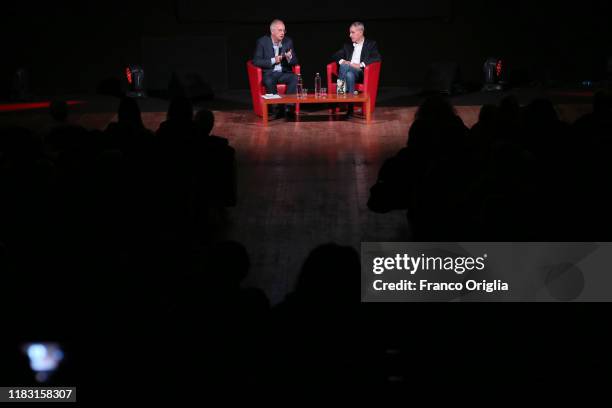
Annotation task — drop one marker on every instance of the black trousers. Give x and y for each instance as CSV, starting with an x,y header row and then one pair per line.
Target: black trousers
x,y
271,79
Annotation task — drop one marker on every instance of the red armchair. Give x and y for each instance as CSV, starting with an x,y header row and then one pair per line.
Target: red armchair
x,y
258,89
371,76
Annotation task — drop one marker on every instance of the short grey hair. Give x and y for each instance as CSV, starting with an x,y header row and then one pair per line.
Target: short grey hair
x,y
358,25
275,22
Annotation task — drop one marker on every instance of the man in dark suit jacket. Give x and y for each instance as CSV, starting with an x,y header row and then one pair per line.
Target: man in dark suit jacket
x,y
275,55
355,56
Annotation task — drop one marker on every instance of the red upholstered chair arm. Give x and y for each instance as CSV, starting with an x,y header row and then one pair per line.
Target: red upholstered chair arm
x,y
371,76
257,88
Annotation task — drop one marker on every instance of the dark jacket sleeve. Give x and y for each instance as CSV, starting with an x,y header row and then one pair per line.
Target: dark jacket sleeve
x,y
294,58
373,55
340,54
259,57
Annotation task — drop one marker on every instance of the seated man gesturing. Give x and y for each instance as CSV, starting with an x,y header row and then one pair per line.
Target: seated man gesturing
x,y
275,55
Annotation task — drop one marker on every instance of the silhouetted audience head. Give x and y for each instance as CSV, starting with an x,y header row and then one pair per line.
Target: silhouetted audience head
x,y
180,110
436,109
205,122
3,254
602,103
540,112
129,113
488,114
437,128
18,142
229,263
509,111
330,275
59,110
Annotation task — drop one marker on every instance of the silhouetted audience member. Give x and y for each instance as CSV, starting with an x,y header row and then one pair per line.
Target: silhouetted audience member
x,y
329,279
592,146
27,180
215,165
518,174
509,120
597,125
128,133
220,284
488,115
197,171
59,111
318,323
224,318
482,137
62,134
205,122
179,127
430,176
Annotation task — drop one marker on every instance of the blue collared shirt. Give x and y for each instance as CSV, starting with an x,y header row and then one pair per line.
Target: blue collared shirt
x,y
277,67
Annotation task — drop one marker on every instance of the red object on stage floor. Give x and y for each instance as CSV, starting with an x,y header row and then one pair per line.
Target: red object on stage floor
x,y
257,88
371,76
22,106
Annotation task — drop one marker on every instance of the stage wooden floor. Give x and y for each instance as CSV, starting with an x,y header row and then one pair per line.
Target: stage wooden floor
x,y
305,183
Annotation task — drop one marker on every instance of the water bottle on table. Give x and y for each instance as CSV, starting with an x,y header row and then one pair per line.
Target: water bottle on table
x,y
317,85
300,85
